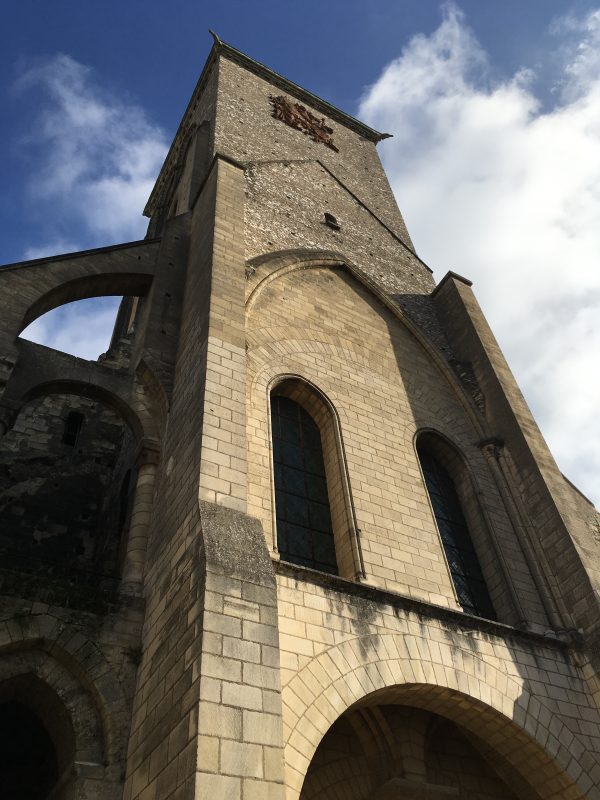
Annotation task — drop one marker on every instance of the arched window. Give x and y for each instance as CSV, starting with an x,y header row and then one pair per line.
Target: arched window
x,y
304,527
462,559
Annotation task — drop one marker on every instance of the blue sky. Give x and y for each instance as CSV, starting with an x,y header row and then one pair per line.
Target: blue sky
x,y
495,160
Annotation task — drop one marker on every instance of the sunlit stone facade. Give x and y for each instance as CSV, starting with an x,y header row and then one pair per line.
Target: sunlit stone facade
x,y
296,535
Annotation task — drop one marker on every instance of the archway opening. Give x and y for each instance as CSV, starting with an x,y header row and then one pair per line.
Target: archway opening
x,y
37,741
82,328
29,767
389,751
418,740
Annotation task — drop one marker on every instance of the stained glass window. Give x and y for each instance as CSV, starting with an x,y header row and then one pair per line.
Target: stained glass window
x,y
304,530
464,565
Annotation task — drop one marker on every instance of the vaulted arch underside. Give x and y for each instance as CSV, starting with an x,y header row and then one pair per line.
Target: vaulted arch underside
x,y
387,751
396,691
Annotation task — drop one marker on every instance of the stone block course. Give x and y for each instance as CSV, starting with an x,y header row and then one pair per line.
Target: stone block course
x,y
208,666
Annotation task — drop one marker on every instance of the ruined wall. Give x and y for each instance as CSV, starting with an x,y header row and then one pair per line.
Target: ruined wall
x,y
70,639
60,536
55,480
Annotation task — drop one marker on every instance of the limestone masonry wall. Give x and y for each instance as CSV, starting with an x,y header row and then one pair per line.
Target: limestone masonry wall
x,y
156,640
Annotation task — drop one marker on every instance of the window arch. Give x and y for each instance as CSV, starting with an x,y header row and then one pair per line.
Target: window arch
x,y
313,513
304,527
463,562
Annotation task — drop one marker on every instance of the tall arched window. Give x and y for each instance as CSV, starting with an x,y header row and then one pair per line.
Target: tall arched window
x,y
304,528
462,559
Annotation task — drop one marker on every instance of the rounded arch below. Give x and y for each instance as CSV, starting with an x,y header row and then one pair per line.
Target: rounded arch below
x,y
135,415
75,669
393,669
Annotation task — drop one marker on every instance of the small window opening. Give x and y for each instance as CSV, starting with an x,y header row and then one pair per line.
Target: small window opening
x,y
72,428
332,221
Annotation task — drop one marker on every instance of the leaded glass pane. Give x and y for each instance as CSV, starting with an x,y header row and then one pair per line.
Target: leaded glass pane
x,y
304,530
462,559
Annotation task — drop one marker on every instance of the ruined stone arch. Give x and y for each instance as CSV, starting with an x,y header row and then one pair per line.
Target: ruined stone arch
x,y
65,680
394,668
82,658
94,392
116,284
135,411
32,288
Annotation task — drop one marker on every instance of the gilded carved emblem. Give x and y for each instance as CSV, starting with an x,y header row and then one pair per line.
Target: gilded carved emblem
x,y
300,118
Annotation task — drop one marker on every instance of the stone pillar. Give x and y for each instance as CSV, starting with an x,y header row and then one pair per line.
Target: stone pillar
x,y
240,732
558,534
493,449
207,718
135,556
240,729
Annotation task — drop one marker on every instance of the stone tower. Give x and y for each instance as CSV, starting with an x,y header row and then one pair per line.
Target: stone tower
x,y
296,534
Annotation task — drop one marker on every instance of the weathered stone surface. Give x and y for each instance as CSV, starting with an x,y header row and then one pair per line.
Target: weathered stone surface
x,y
149,619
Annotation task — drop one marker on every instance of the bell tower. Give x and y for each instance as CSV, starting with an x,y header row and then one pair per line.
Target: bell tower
x,y
321,549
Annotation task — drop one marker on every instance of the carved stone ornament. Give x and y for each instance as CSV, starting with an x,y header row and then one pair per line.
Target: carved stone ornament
x,y
300,118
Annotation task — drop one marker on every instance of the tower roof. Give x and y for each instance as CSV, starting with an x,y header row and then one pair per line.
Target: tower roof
x,y
302,94
225,50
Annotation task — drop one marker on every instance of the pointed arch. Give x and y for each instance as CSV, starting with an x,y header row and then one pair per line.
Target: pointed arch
x,y
263,270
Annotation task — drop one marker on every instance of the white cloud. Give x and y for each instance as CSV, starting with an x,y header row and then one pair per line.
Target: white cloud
x,y
580,53
506,192
50,248
82,328
94,159
95,156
